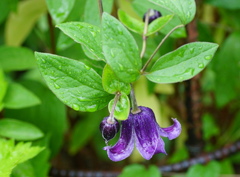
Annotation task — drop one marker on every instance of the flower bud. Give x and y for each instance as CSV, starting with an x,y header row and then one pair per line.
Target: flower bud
x,y
109,128
153,14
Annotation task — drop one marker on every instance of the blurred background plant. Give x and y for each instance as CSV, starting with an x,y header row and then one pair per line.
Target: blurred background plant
x,y
33,122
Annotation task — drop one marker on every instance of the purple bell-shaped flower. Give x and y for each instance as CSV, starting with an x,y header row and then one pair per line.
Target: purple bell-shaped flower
x,y
142,130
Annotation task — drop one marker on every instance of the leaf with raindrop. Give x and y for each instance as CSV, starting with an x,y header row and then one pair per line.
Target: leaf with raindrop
x,y
122,108
86,34
183,63
73,82
184,9
112,84
120,49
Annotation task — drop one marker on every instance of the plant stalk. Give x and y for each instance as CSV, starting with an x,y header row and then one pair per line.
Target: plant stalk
x,y
158,47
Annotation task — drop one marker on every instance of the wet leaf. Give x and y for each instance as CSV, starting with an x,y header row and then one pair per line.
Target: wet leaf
x,y
73,82
120,49
183,63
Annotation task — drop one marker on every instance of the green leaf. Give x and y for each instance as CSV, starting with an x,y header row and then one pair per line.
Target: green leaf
x,y
226,167
91,12
210,128
158,24
84,130
74,83
120,49
184,9
19,130
85,34
138,26
212,169
18,97
20,23
16,58
60,9
227,4
183,63
3,87
4,9
122,108
23,169
130,22
112,84
225,93
142,6
44,114
140,171
12,155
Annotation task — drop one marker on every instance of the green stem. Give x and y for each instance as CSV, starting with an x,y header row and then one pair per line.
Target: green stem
x,y
111,116
144,37
135,108
158,47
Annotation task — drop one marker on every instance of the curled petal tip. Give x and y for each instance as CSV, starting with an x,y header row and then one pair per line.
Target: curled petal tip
x,y
172,131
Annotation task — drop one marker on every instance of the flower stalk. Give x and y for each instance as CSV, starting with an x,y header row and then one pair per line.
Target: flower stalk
x,y
158,47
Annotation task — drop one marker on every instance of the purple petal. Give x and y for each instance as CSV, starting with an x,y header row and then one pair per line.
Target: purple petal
x,y
171,132
124,147
146,132
160,147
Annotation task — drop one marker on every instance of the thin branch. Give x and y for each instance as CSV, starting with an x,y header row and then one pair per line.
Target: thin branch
x,y
158,47
100,6
52,34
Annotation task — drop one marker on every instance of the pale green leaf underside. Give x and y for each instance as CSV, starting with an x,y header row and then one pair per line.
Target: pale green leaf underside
x,y
112,84
19,130
85,34
183,63
138,26
120,49
122,108
73,82
184,9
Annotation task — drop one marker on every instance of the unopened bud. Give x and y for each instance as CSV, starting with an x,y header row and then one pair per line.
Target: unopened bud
x,y
153,15
109,128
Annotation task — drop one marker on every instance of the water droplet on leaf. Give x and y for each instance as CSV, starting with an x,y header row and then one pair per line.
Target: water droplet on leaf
x,y
201,65
208,57
56,86
75,107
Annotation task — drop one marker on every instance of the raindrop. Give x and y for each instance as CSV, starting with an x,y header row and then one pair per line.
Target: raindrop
x,y
93,33
44,61
90,27
181,54
92,108
75,107
87,67
201,65
60,67
189,71
56,86
191,50
208,57
112,53
120,67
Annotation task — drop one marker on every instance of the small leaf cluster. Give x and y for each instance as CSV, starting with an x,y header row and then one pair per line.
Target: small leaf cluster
x,y
82,88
